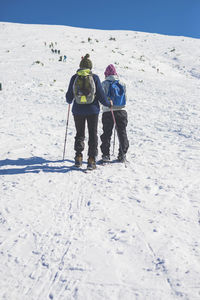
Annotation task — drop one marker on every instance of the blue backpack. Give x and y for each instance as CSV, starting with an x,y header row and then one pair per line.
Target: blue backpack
x,y
116,93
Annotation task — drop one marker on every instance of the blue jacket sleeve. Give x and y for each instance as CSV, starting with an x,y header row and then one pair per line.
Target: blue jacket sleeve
x,y
100,95
70,94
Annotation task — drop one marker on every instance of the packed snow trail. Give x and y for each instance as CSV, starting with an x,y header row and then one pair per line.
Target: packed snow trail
x,y
113,233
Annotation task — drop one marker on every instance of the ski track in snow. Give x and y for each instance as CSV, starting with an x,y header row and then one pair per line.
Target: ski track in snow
x,y
115,232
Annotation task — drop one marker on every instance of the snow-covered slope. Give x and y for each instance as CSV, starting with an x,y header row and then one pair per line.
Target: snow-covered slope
x,y
116,233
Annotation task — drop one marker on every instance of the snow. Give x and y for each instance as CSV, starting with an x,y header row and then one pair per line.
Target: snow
x,y
116,232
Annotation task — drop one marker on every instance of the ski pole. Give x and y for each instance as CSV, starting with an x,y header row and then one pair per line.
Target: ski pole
x,y
114,141
118,135
66,131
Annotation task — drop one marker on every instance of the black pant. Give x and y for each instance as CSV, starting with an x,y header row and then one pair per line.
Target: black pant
x,y
92,123
108,124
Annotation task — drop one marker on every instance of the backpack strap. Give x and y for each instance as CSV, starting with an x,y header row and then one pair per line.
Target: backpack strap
x,y
110,83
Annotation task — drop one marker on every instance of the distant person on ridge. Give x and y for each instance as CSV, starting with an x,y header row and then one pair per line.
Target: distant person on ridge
x,y
111,83
85,90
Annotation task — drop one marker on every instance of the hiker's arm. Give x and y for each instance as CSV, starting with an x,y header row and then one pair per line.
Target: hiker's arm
x,y
70,94
105,86
101,96
125,90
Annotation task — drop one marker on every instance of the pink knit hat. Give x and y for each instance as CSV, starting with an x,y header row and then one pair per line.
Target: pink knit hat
x,y
110,70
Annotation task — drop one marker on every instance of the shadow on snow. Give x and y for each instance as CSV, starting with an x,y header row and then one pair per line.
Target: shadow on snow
x,y
33,165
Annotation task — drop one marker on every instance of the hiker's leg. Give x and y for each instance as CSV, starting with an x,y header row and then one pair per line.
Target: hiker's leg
x,y
108,124
122,121
92,121
80,133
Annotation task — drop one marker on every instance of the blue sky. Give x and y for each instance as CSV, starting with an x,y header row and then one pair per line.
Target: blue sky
x,y
171,17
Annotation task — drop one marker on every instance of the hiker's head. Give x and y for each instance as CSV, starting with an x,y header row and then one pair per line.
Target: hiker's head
x,y
110,70
86,62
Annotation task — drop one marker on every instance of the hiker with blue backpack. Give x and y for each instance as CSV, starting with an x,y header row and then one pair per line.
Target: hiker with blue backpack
x,y
85,91
115,90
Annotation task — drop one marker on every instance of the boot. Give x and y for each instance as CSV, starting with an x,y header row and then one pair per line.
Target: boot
x,y
106,158
78,160
91,163
121,157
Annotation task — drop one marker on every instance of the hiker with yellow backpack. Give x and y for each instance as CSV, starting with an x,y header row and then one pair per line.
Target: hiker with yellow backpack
x,y
85,91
